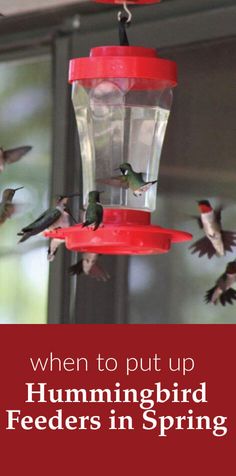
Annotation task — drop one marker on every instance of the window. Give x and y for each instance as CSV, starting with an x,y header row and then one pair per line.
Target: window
x,y
198,162
25,119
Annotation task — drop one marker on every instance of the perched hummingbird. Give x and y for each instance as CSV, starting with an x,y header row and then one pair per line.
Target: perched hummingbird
x,y
216,241
12,155
222,291
6,206
50,219
94,212
129,179
88,265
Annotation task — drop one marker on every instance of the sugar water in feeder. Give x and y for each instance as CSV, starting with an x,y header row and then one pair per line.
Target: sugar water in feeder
x,y
122,106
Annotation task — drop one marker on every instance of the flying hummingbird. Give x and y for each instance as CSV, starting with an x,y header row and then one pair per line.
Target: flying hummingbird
x,y
216,241
50,219
7,208
12,155
129,180
94,211
223,291
88,265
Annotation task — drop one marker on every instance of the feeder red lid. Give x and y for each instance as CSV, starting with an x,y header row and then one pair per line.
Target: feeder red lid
x,y
124,62
125,232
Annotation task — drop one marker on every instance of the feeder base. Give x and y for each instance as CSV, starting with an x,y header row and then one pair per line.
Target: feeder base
x,y
124,232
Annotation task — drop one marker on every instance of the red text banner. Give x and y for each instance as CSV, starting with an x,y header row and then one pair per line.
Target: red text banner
x,y
117,399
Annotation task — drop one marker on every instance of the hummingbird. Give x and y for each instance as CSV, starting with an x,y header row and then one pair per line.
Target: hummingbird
x,y
88,265
129,180
12,155
223,291
54,243
50,219
216,241
94,211
6,206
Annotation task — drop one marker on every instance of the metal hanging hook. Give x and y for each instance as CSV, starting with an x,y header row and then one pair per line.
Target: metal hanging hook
x,y
128,13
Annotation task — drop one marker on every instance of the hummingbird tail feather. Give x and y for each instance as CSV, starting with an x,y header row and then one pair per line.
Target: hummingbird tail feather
x,y
86,223
25,237
96,226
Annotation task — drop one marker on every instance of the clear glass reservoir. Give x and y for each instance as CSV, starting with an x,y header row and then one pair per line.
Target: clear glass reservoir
x,y
122,120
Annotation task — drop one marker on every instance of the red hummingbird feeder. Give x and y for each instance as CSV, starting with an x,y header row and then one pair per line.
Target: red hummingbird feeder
x,y
122,97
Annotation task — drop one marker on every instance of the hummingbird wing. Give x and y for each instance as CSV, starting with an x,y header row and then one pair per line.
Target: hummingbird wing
x,y
198,219
228,297
118,181
6,211
76,268
203,247
144,188
99,217
44,221
209,295
13,155
214,294
229,239
218,213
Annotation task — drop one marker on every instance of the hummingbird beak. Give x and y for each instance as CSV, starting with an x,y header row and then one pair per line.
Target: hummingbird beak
x,y
19,188
118,168
70,195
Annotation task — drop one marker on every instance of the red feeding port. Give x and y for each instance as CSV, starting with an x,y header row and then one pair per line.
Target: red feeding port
x,y
124,232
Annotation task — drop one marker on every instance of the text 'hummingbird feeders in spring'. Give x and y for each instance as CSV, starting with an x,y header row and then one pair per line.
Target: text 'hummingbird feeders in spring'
x,y
122,97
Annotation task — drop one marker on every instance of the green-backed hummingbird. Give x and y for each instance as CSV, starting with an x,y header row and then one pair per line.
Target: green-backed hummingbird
x,y
129,180
12,155
222,291
216,241
94,211
50,219
89,266
7,208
